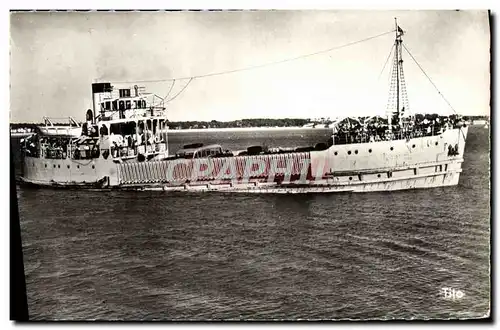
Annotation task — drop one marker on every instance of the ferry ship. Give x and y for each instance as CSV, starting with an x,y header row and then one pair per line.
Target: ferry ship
x,y
124,145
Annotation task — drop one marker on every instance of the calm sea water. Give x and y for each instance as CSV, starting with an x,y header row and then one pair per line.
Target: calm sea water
x,y
177,256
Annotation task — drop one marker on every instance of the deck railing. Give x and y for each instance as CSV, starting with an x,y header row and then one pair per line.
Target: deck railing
x,y
365,137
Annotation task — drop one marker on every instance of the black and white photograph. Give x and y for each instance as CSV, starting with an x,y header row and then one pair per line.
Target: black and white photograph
x,y
251,165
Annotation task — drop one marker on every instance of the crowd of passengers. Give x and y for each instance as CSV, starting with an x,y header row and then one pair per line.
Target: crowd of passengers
x,y
31,147
59,148
120,143
377,129
123,143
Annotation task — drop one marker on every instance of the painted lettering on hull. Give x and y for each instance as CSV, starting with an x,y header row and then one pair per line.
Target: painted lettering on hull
x,y
265,168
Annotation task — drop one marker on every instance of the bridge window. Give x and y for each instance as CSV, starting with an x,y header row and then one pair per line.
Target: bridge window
x,y
124,92
128,105
121,105
108,105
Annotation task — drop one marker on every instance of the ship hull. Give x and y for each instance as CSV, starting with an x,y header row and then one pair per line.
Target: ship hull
x,y
424,162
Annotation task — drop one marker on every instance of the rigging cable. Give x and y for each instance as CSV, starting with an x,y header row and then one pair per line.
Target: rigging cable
x,y
182,90
261,65
386,61
171,87
429,79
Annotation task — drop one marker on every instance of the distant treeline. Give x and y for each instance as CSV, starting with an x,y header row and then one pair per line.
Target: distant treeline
x,y
475,117
256,122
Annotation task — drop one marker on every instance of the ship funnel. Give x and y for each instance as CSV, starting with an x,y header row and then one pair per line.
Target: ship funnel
x,y
99,92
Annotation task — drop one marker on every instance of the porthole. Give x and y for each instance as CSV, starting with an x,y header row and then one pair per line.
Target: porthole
x,y
68,166
59,166
392,148
369,150
356,152
45,165
378,175
413,146
54,165
436,143
350,178
77,166
349,152
335,153
93,166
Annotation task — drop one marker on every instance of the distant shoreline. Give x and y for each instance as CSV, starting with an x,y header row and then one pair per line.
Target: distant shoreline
x,y
31,126
239,129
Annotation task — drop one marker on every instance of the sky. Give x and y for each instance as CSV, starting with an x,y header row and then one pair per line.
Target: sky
x,y
55,57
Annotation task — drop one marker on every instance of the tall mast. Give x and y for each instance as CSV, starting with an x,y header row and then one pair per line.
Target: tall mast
x,y
397,104
398,41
